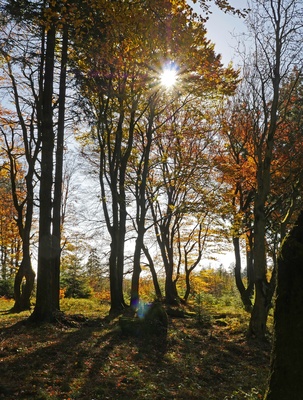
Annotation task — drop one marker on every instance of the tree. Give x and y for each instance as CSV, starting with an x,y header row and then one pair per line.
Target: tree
x,y
23,201
58,175
74,281
236,164
286,373
275,26
195,242
21,142
10,241
55,21
95,271
287,174
141,203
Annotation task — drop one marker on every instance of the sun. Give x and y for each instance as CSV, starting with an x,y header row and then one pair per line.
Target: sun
x,y
169,76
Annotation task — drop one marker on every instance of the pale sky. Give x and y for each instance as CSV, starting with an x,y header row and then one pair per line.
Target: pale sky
x,y
223,30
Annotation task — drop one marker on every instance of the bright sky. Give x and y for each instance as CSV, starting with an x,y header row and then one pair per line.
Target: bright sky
x,y
223,28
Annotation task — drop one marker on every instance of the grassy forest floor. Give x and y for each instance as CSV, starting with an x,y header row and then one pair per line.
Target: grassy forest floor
x,y
205,356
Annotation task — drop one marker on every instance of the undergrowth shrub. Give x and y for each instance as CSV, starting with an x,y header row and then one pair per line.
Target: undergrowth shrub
x,y
75,287
7,288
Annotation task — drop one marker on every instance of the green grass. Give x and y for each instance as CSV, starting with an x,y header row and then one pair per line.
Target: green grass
x,y
88,307
207,359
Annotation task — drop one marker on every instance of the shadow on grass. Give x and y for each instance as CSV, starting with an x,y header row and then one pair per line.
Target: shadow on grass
x,y
37,361
93,360
88,361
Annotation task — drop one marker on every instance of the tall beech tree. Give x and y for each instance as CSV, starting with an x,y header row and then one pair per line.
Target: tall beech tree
x,y
47,300
142,169
54,24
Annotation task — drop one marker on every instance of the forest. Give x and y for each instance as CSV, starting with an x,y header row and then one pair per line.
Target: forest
x,y
132,160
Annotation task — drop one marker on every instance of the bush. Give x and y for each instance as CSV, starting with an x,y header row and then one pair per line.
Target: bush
x,y
7,288
75,287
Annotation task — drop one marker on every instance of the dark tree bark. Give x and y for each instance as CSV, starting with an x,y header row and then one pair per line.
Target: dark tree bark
x,y
23,291
117,230
57,220
153,273
134,300
116,287
250,261
258,321
245,293
46,304
117,224
171,294
25,277
286,378
23,296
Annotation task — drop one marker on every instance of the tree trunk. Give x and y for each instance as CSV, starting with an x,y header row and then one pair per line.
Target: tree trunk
x,y
153,273
263,290
57,220
286,378
171,295
25,277
249,263
257,326
134,297
188,287
164,240
114,176
120,253
46,305
116,288
117,242
23,290
244,292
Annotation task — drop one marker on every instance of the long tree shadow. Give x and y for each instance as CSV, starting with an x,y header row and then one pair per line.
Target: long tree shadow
x,y
93,360
42,361
115,371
